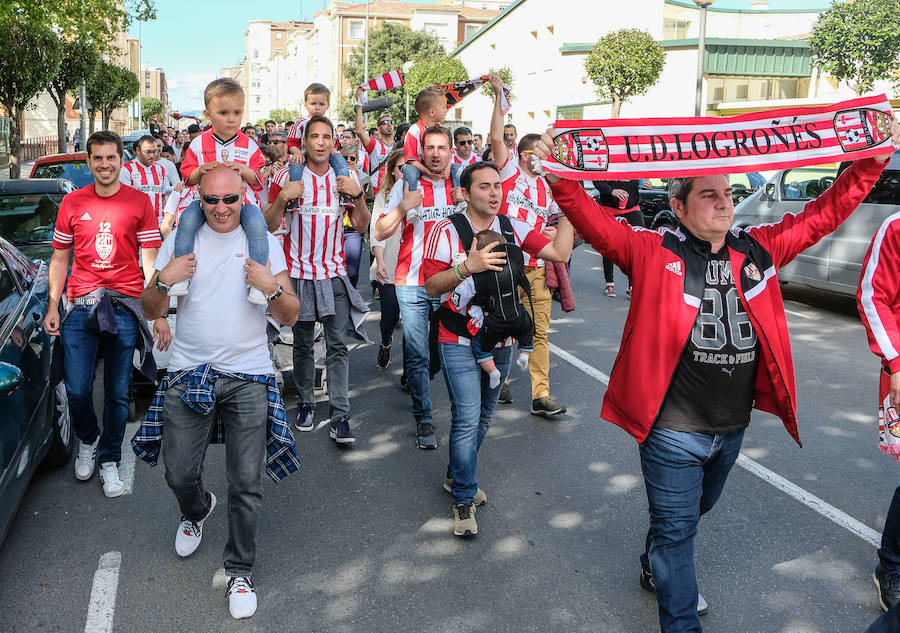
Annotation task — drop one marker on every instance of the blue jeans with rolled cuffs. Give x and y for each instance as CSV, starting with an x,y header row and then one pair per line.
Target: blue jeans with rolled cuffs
x,y
411,175
472,403
252,221
337,162
684,474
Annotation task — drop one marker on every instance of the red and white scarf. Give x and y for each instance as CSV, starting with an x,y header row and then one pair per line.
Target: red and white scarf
x,y
617,149
457,91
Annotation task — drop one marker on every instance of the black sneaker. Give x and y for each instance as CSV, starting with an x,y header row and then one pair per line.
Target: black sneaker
x,y
546,406
888,587
384,356
340,430
305,415
505,396
647,583
404,382
425,437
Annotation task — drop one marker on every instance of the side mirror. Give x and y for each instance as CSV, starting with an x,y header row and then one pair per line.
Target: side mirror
x,y
769,190
10,378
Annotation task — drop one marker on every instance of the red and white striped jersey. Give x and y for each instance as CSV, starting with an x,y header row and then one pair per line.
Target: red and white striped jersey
x,y
106,234
149,180
314,247
878,295
412,146
378,153
362,163
444,249
295,134
465,162
437,204
240,149
526,199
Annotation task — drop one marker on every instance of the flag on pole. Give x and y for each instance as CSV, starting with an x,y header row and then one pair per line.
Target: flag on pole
x,y
386,81
457,91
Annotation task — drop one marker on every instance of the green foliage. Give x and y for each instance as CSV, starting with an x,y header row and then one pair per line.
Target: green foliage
x,y
78,62
506,75
390,46
432,71
93,21
29,58
281,115
858,42
624,64
149,107
111,87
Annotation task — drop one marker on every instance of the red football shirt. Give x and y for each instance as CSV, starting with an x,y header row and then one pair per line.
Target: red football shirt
x,y
106,235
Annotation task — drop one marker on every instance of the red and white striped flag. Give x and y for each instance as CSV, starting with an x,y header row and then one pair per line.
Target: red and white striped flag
x,y
387,81
617,149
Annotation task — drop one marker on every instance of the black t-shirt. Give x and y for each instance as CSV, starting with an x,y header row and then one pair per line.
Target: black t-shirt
x,y
713,385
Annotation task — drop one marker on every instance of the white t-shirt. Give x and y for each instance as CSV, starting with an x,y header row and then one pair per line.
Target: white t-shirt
x,y
216,324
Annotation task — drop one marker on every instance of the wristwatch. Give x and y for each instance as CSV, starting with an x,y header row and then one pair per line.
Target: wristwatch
x,y
163,288
357,196
275,294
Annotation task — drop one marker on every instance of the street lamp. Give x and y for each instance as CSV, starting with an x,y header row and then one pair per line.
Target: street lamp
x,y
701,45
406,67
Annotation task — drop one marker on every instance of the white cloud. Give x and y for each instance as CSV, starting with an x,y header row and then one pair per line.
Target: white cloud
x,y
186,91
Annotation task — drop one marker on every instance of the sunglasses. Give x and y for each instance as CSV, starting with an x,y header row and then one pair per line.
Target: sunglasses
x,y
351,159
466,142
383,121
229,199
268,163
276,142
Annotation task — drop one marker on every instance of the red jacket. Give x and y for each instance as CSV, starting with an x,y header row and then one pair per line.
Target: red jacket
x,y
667,271
878,295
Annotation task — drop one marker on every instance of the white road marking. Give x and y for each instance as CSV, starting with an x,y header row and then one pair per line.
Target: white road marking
x,y
126,462
592,252
102,607
799,314
808,499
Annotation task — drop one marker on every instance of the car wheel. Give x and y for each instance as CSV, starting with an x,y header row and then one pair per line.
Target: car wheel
x,y
62,441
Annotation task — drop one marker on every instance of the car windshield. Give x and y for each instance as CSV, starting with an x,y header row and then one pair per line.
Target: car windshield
x,y
29,218
76,171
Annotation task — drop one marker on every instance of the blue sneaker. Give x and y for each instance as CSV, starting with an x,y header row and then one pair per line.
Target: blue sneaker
x,y
305,416
340,430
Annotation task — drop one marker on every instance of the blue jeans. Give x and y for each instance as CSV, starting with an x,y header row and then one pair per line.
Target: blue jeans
x,y
411,175
353,243
337,162
80,345
888,622
472,402
415,309
243,406
684,474
889,552
252,221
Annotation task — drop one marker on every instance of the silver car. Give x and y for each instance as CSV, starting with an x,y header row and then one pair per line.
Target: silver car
x,y
835,263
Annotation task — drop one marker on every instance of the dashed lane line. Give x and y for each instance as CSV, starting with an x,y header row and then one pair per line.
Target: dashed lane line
x,y
102,607
805,497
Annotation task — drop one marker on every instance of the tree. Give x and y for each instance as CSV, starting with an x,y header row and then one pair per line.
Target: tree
x,y
857,42
110,87
624,64
506,75
434,70
78,62
281,115
390,45
29,58
151,106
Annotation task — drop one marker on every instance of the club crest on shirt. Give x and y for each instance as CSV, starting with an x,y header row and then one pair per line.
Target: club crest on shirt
x,y
752,272
103,244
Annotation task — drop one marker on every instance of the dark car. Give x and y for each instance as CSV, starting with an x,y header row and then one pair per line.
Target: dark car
x,y
34,417
835,262
28,209
656,198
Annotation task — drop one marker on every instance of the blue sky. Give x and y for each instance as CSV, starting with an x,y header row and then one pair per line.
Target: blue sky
x,y
192,40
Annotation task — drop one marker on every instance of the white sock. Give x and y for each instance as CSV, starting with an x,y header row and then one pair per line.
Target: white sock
x,y
522,361
495,379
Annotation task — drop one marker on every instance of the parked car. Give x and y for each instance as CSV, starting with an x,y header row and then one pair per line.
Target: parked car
x,y
72,167
34,425
28,209
835,263
656,198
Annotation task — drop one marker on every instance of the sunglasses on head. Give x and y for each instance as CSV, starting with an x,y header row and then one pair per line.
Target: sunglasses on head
x,y
466,142
229,199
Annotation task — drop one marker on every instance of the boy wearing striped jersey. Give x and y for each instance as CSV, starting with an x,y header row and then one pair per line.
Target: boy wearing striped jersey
x,y
317,99
224,144
431,106
314,250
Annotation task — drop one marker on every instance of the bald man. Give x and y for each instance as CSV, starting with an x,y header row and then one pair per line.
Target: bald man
x,y
220,350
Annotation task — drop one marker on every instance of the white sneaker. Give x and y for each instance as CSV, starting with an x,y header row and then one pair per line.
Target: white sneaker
x,y
86,460
241,597
189,534
109,477
179,289
256,297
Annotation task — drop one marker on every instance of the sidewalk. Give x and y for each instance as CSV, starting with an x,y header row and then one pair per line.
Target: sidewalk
x,y
24,170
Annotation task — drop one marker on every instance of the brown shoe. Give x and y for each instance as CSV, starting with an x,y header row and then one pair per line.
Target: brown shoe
x,y
546,406
464,520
